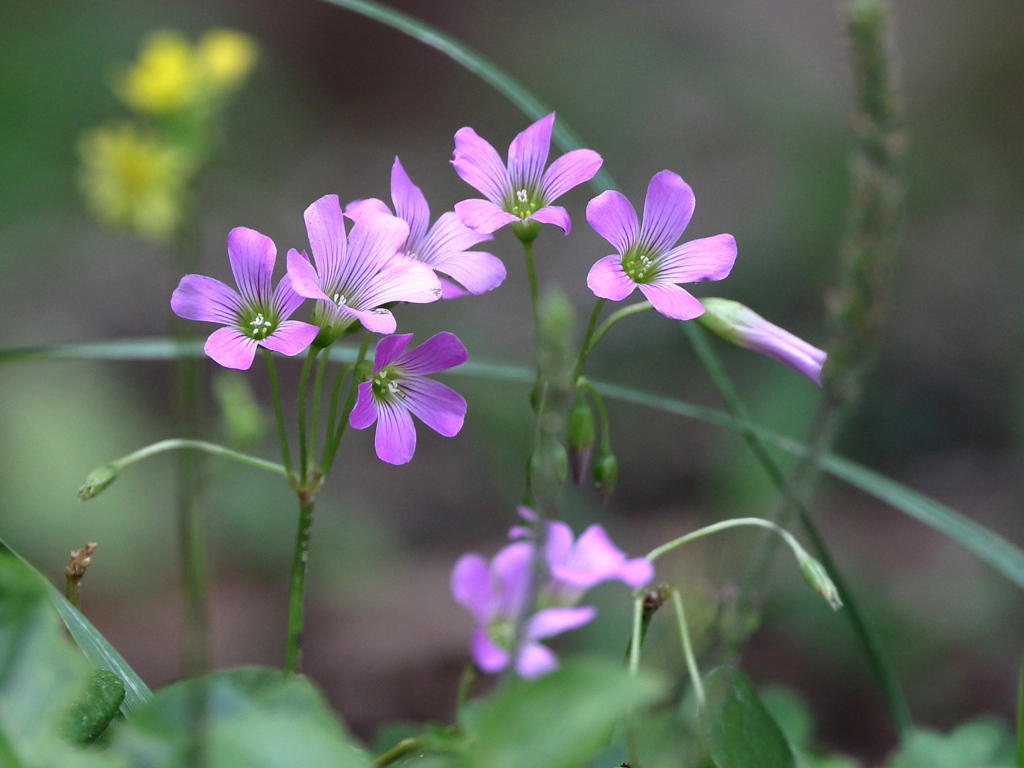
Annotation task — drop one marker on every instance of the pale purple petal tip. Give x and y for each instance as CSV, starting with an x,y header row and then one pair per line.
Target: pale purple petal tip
x,y
553,621
488,657
291,337
198,297
303,277
364,413
231,348
471,585
535,660
528,154
483,216
553,214
438,353
325,228
613,217
252,256
607,280
410,204
438,406
672,301
709,258
357,208
479,165
570,170
477,271
667,211
395,440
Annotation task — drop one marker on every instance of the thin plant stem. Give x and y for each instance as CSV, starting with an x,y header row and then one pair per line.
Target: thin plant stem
x,y
307,365
587,344
400,750
614,317
634,670
602,413
691,661
275,391
331,450
734,522
465,681
314,419
332,411
531,274
297,589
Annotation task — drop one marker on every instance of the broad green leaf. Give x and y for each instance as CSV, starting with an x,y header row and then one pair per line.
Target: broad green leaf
x,y
739,731
560,720
981,743
92,644
90,715
251,717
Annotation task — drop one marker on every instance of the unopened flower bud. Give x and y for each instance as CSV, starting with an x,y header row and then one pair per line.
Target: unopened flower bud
x,y
97,480
580,436
742,326
364,371
606,472
549,464
815,575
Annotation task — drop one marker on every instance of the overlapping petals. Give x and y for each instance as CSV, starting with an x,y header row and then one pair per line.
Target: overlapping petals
x,y
646,258
254,315
443,246
356,274
523,191
400,389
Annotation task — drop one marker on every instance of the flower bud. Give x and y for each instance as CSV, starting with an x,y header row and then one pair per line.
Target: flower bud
x,y
815,575
549,464
97,480
580,436
742,326
606,472
364,371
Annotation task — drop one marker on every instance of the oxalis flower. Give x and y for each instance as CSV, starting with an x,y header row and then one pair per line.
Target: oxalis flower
x,y
399,388
646,258
495,594
254,315
357,274
522,193
443,246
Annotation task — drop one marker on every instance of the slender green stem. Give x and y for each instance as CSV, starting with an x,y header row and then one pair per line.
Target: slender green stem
x,y
587,344
314,419
332,412
531,274
307,365
691,661
634,670
735,522
400,750
275,391
465,681
632,309
331,450
297,589
602,413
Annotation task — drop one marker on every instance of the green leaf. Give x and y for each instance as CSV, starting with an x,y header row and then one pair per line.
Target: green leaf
x,y
251,717
90,715
92,644
980,743
560,720
739,731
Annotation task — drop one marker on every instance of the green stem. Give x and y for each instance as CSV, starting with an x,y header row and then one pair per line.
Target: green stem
x,y
632,309
282,434
314,419
634,669
531,274
587,344
307,365
297,590
331,450
400,750
602,413
735,522
691,661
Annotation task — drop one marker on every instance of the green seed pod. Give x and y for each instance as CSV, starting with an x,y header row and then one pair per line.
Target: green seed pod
x,y
606,472
580,436
97,480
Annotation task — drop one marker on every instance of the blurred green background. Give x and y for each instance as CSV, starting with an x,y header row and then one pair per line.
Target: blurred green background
x,y
749,102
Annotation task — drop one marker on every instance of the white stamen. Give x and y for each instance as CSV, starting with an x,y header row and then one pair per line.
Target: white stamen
x,y
522,196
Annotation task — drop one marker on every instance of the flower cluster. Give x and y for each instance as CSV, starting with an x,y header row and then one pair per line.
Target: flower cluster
x,y
497,593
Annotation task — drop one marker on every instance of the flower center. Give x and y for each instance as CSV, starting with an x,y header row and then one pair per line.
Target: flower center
x,y
257,325
339,300
386,384
639,265
523,204
500,632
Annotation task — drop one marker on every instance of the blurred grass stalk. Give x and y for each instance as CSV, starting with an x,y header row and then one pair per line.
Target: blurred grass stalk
x,y
857,307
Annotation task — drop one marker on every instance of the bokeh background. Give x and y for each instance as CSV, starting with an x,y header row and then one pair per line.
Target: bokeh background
x,y
750,102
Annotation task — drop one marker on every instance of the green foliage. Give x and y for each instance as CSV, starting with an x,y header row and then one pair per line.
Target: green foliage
x,y
89,717
980,743
738,729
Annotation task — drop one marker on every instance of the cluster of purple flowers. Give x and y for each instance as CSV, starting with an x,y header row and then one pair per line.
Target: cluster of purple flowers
x,y
497,593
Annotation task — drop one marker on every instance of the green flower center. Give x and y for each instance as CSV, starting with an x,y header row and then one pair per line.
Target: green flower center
x,y
639,265
523,203
386,385
500,632
258,323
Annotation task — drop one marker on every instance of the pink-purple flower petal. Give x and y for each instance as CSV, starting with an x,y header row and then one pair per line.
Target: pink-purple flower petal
x,y
471,586
535,660
486,655
404,279
667,211
438,353
364,412
568,171
291,337
613,217
479,165
252,256
303,278
553,214
528,154
448,237
410,204
554,621
388,350
477,271
435,404
198,297
358,207
286,300
325,228
594,558
483,215
607,280
395,439
231,348
672,301
709,258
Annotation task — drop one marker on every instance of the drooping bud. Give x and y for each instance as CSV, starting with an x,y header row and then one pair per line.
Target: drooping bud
x,y
97,480
742,326
580,436
815,575
364,371
606,473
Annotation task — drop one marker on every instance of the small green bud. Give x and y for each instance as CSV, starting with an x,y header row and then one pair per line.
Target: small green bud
x,y
580,436
815,575
526,231
364,371
97,480
606,472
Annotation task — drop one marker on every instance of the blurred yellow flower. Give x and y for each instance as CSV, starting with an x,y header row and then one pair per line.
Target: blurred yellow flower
x,y
134,180
173,76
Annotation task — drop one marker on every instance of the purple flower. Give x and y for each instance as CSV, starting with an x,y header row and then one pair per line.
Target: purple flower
x,y
254,315
399,388
576,566
357,274
496,595
443,246
743,326
524,191
646,258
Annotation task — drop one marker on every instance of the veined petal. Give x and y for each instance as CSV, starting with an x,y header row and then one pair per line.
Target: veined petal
x,y
435,404
364,413
613,217
389,349
479,165
252,256
395,439
358,207
554,621
198,297
487,656
528,154
570,170
325,227
373,242
709,258
478,271
559,543
378,320
303,278
607,280
471,586
594,558
452,290
510,571
448,236
410,204
231,348
285,298
404,279
535,660
667,211
291,337
553,214
672,301
483,215
438,353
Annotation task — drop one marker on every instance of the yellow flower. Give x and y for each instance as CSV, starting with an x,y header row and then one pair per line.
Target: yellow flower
x,y
226,57
134,180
